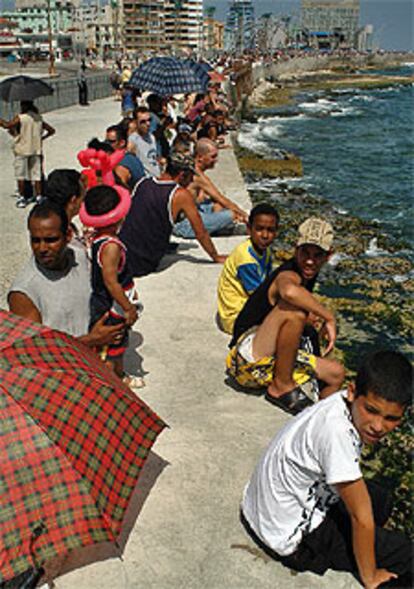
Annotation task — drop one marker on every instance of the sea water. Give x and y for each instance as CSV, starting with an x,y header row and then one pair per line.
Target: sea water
x,y
356,146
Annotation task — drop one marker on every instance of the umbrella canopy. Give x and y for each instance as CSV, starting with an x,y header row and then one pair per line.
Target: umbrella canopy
x,y
201,69
166,76
24,88
72,445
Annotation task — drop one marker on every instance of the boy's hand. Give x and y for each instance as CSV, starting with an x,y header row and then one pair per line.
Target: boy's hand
x,y
380,576
220,259
329,332
131,315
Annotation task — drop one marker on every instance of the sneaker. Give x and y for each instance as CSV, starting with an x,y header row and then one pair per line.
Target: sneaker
x,y
21,202
40,199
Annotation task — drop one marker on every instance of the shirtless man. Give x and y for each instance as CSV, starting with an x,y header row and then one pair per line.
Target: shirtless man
x,y
268,329
216,210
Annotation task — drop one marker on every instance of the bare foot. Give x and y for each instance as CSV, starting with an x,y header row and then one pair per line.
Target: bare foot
x,y
276,389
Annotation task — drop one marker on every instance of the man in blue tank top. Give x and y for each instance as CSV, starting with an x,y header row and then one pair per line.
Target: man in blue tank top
x,y
156,205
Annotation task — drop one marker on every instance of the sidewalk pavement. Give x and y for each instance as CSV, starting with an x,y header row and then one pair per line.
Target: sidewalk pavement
x,y
182,530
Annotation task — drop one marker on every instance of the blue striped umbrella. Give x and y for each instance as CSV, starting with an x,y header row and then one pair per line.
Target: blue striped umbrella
x,y
166,76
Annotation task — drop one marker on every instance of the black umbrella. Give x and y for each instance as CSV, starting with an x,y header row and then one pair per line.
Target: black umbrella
x,y
19,88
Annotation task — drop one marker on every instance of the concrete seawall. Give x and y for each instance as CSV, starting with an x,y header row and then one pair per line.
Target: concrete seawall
x,y
183,529
65,93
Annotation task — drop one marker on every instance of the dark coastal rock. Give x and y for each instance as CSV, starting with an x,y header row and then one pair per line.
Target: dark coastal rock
x,y
273,168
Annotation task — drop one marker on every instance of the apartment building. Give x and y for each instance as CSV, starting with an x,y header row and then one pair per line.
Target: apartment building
x,y
240,26
144,25
331,22
157,26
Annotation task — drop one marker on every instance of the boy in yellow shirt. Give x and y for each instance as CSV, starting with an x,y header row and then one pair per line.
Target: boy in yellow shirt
x,y
248,265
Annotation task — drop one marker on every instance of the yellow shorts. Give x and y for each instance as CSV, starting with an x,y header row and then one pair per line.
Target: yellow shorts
x,y
259,374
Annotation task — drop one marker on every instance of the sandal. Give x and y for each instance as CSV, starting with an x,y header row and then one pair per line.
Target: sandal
x,y
133,382
292,402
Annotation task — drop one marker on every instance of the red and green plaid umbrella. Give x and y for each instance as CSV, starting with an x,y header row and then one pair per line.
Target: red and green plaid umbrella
x,y
72,445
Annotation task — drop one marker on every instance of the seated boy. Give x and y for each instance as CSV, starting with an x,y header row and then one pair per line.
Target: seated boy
x,y
307,504
268,330
248,265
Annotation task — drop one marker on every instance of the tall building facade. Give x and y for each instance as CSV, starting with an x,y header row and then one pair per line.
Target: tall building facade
x,y
332,19
144,25
159,26
184,25
239,28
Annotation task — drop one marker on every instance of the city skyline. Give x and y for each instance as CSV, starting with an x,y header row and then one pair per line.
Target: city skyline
x,y
392,19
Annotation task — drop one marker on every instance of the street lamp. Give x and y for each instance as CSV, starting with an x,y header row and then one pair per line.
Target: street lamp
x,y
52,70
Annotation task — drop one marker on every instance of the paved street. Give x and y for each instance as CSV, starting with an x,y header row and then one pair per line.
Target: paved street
x,y
182,530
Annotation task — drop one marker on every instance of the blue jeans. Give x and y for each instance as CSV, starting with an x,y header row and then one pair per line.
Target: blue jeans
x,y
212,221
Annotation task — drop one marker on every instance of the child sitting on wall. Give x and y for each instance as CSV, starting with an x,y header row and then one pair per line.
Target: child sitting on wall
x,y
307,504
248,265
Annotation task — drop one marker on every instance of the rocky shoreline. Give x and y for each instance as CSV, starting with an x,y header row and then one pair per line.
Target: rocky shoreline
x,y
368,283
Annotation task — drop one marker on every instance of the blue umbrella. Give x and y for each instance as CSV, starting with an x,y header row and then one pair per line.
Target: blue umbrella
x,y
201,69
166,76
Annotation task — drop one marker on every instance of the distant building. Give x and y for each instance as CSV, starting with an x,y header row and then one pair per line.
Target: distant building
x,y
184,25
331,23
144,25
97,27
32,15
213,34
239,28
271,33
163,25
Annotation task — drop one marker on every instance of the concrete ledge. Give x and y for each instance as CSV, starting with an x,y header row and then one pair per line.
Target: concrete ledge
x,y
183,529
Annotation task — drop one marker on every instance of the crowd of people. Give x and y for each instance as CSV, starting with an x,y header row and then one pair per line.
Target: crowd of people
x,y
144,181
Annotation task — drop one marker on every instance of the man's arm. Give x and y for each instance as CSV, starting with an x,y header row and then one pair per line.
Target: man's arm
x,y
49,130
100,334
287,286
183,201
358,504
202,182
10,124
21,305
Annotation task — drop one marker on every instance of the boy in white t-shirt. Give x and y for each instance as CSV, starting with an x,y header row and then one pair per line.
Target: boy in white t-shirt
x,y
307,504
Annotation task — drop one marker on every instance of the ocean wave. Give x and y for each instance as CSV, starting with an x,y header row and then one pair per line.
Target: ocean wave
x,y
363,97
401,278
336,258
341,211
250,137
345,111
373,251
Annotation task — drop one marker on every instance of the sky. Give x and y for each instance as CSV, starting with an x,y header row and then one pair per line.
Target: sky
x,y
393,20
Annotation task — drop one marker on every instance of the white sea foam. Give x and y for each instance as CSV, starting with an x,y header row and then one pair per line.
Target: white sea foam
x,y
373,251
341,211
345,111
336,258
250,137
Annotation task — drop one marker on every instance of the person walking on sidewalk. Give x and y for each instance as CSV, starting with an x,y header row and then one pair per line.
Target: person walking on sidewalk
x,y
29,131
83,85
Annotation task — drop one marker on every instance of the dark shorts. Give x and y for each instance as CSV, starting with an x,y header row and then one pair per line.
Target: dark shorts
x,y
329,546
115,349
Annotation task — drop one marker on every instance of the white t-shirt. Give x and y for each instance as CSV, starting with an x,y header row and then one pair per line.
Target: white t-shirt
x,y
146,151
290,490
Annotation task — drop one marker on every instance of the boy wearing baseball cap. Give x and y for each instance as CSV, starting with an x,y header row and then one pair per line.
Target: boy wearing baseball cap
x,y
268,330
